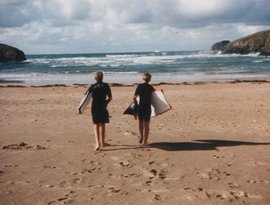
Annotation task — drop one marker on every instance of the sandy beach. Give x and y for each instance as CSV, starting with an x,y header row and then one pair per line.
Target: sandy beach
x,y
213,147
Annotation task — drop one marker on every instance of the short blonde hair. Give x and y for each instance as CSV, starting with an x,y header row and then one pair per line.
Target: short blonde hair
x,y
98,76
147,77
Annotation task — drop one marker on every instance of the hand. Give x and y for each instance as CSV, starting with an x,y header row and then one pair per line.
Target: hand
x,y
135,115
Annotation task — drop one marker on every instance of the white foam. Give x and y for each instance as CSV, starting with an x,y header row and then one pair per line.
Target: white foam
x,y
117,60
125,78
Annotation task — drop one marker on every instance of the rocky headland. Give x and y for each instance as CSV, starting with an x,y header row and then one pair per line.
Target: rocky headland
x,y
256,43
219,46
10,54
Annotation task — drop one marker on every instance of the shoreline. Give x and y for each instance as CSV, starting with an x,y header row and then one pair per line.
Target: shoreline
x,y
22,84
157,78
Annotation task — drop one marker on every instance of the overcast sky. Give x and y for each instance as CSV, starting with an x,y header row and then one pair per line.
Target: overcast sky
x,y
83,26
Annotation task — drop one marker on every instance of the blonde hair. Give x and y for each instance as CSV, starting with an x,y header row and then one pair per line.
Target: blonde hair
x,y
98,76
147,77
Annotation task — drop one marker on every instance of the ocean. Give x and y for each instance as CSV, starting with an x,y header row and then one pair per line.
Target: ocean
x,y
127,68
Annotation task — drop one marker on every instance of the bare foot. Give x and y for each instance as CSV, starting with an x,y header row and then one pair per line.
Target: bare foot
x,y
96,148
145,144
141,140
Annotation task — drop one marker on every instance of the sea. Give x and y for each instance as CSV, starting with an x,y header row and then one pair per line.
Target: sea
x,y
127,68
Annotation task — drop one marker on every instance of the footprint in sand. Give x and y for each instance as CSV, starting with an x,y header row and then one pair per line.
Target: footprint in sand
x,y
11,165
233,194
68,198
238,194
195,189
217,156
88,171
47,186
125,164
252,181
157,197
203,175
151,163
64,184
198,192
233,185
213,173
74,173
260,181
49,167
77,180
221,196
95,163
153,171
227,174
114,190
128,175
228,165
162,174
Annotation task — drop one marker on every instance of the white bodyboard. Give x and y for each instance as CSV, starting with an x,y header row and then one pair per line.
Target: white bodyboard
x,y
84,102
159,104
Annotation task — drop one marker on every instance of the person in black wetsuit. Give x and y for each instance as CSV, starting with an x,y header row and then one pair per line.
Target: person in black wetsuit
x,y
144,91
102,96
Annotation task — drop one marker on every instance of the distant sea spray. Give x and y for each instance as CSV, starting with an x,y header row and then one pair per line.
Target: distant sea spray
x,y
169,66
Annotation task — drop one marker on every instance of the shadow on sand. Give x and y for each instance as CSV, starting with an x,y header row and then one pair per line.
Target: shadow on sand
x,y
122,147
201,145
185,146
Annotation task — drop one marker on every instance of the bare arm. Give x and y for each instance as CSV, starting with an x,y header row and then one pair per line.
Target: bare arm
x,y
135,98
109,99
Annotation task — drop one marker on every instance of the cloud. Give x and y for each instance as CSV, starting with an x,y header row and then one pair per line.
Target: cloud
x,y
179,13
13,13
127,25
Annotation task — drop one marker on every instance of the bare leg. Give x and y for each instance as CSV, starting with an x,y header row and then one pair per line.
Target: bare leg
x,y
96,132
141,122
146,132
102,134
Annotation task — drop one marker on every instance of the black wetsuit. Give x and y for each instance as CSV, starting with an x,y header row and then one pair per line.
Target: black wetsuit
x,y
144,91
99,111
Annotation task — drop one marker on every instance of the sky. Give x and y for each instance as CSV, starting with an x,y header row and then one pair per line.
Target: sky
x,y
96,26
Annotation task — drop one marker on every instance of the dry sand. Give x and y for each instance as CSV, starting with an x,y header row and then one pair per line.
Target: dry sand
x,y
213,147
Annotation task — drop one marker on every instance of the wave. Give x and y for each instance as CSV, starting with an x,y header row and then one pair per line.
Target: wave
x,y
176,65
117,60
122,55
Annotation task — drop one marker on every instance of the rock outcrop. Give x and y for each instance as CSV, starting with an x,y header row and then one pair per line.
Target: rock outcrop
x,y
219,46
255,43
9,54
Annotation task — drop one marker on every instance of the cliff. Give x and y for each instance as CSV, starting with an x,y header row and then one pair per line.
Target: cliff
x,y
219,46
257,42
9,53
